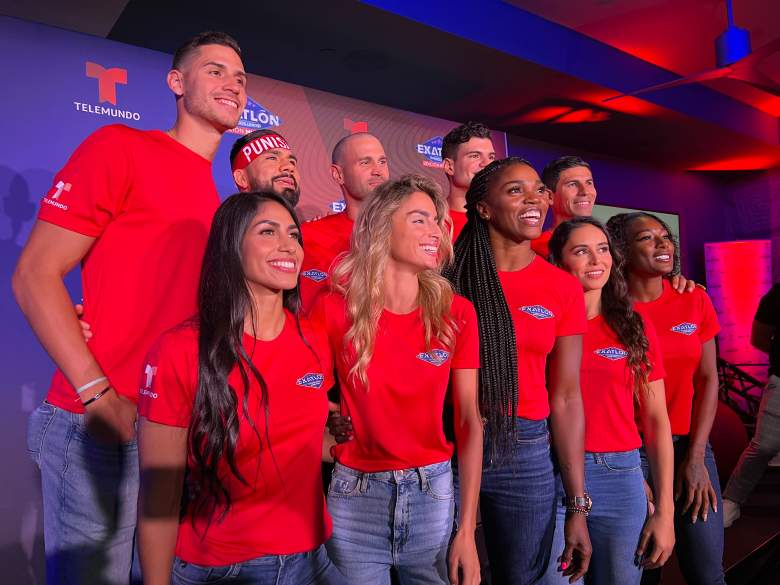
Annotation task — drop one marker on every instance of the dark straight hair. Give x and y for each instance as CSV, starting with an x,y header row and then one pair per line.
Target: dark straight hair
x,y
224,300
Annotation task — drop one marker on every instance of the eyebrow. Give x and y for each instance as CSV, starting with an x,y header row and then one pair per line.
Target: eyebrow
x,y
223,67
420,211
519,181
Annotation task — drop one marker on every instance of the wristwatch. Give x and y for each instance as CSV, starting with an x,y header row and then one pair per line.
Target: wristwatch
x,y
578,504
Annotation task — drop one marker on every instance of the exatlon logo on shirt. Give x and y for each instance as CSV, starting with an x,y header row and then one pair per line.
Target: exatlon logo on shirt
x,y
311,380
436,356
612,353
255,117
685,328
315,275
107,80
537,312
431,150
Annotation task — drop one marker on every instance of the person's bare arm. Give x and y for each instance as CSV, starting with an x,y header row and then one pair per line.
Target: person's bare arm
x,y
468,437
761,336
567,420
657,539
162,455
50,253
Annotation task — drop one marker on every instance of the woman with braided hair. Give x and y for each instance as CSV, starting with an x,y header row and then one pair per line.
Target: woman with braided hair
x,y
686,326
531,316
621,368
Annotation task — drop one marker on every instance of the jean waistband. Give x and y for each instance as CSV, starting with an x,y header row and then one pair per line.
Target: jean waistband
x,y
398,475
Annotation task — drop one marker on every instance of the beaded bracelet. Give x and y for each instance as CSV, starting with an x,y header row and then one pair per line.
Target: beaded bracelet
x,y
96,396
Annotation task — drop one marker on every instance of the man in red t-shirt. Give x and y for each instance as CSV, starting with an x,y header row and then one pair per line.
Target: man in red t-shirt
x,y
359,164
264,161
570,181
134,209
465,151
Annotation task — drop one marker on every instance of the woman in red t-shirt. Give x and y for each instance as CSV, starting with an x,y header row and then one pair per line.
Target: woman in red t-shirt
x,y
621,366
532,317
686,325
400,338
226,412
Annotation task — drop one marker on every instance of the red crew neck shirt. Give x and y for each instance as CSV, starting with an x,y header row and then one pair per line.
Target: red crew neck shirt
x,y
324,240
398,419
282,510
545,303
459,220
541,245
684,322
148,201
608,387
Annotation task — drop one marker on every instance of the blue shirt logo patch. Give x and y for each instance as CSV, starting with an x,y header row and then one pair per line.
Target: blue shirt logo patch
x,y
436,356
685,328
612,353
311,380
315,275
537,311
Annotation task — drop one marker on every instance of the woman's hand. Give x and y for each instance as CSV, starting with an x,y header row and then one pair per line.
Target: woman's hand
x,y
693,480
656,541
463,559
575,559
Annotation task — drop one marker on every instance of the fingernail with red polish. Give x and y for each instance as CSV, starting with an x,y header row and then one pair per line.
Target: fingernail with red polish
x,y
564,565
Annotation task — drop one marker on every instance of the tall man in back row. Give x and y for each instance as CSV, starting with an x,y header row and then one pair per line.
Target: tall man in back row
x,y
136,216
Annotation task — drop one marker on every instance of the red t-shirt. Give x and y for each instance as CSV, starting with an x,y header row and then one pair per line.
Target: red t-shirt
x,y
608,387
323,240
459,220
684,322
545,303
398,419
541,245
282,511
148,201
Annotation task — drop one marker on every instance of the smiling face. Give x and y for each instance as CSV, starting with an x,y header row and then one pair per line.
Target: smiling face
x,y
212,86
416,234
361,167
516,203
470,158
274,170
271,251
575,194
651,248
587,257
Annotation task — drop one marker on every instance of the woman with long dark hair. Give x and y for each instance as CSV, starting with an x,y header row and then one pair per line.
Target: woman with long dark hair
x,y
401,338
531,317
621,367
686,325
233,406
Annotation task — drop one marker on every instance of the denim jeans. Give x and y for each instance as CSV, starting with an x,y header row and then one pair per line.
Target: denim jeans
x,y
309,568
699,546
764,445
517,504
400,519
615,483
90,492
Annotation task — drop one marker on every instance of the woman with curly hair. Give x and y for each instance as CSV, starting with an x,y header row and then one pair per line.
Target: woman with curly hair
x,y
686,325
401,338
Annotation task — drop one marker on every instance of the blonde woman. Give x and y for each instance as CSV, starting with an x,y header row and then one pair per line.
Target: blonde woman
x,y
400,338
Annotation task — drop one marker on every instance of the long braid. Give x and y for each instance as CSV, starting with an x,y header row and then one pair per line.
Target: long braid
x,y
473,273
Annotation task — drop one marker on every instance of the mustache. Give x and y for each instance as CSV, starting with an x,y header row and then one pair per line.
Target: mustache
x,y
285,176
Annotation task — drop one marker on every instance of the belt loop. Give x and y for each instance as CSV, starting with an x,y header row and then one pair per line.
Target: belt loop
x,y
363,482
423,479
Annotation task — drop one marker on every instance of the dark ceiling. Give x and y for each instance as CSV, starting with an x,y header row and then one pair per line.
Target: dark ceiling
x,y
540,79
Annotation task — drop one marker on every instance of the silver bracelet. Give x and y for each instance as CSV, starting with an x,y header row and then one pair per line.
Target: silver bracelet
x,y
89,385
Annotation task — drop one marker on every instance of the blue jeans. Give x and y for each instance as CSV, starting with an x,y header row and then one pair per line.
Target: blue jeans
x,y
699,546
307,568
517,504
90,492
400,519
614,482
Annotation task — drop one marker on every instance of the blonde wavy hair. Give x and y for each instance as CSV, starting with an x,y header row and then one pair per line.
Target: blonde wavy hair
x,y
360,275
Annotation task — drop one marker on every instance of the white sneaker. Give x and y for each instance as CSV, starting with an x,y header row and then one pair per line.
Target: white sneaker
x,y
730,512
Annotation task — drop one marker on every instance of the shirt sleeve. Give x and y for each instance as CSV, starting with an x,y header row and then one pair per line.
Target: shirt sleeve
x,y
90,189
572,320
654,356
172,367
709,327
466,355
768,311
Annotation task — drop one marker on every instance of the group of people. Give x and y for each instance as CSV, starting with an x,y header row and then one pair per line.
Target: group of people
x,y
574,367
